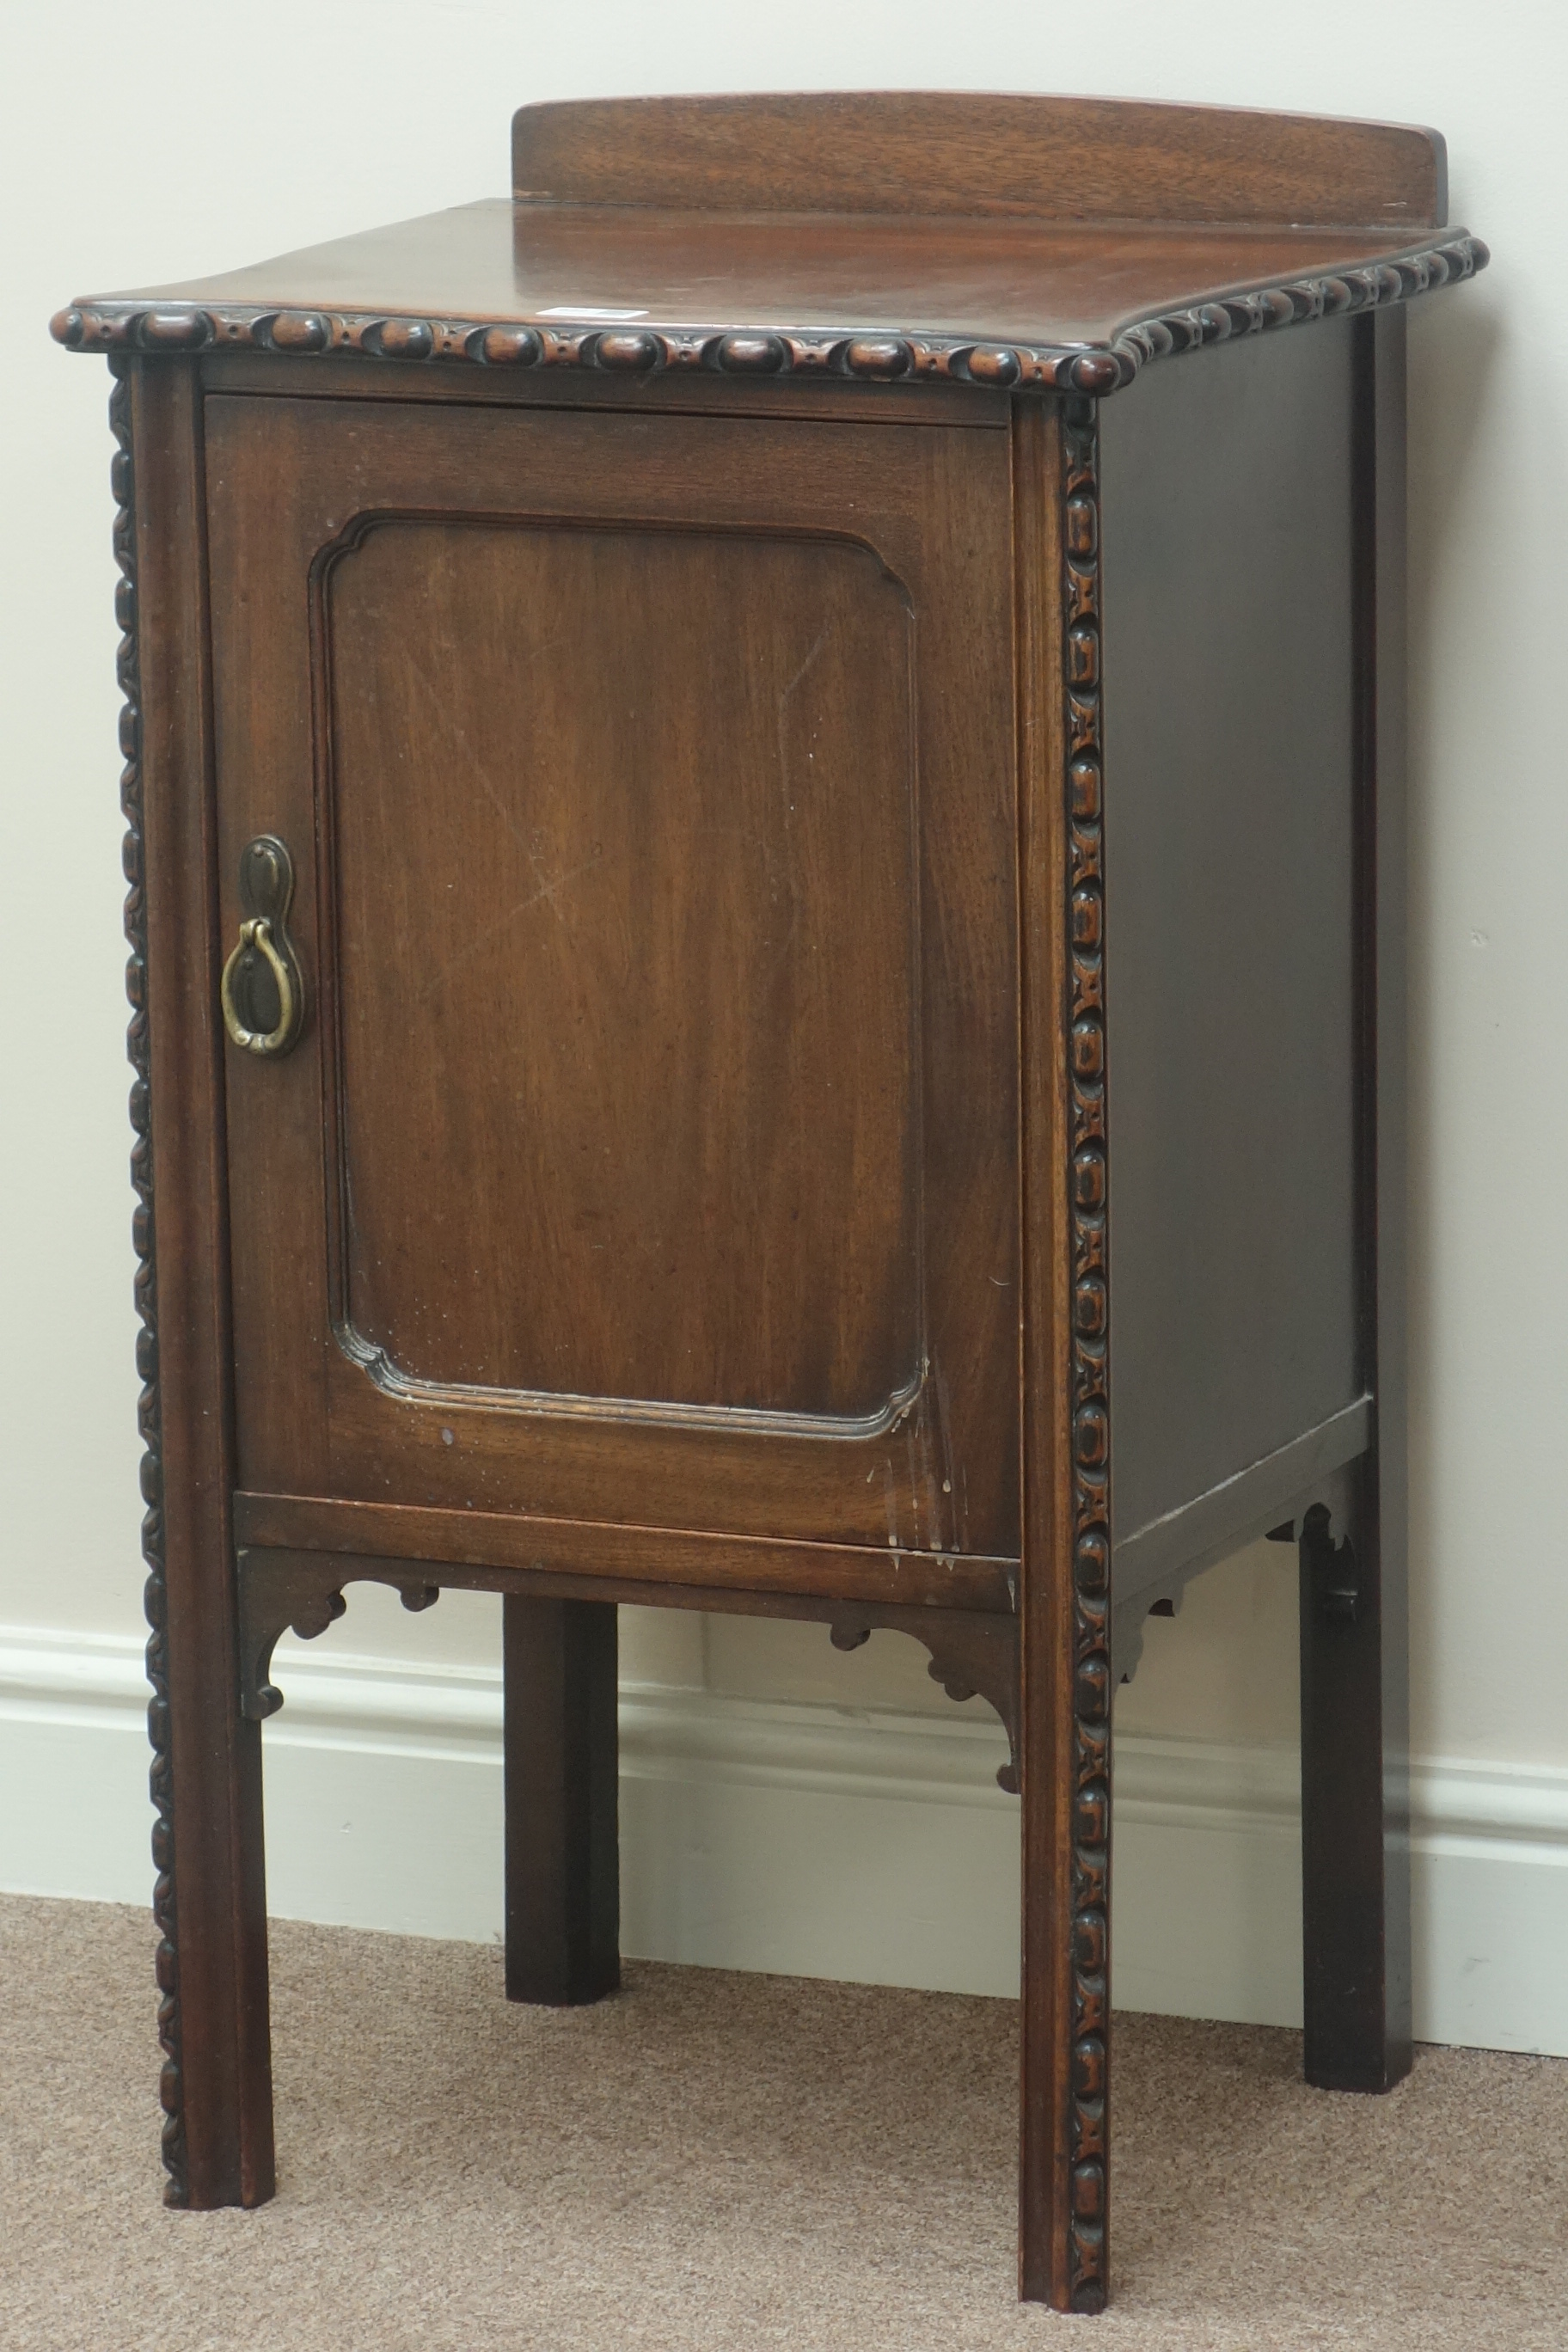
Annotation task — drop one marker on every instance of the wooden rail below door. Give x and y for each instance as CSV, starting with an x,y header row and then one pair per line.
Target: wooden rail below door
x,y
644,1558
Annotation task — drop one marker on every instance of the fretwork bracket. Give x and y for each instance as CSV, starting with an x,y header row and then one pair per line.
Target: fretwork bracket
x,y
971,1657
972,1654
300,1592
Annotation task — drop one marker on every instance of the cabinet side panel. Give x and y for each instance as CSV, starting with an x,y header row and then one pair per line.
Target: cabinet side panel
x,y
1229,703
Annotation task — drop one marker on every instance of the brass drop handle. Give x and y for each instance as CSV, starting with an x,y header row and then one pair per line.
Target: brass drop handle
x,y
265,889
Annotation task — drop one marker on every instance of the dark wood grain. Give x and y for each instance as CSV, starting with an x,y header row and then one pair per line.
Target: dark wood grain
x,y
1081,1404
1230,817
738,997
647,1556
1024,306
668,392
563,1855
156,1596
1354,1823
738,814
210,1836
1382,710
1355,1705
597,795
945,151
1051,2234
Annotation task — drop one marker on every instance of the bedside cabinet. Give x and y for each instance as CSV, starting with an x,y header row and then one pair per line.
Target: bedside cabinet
x,y
767,916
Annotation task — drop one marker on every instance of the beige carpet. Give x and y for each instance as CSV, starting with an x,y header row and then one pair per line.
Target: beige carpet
x,y
731,2162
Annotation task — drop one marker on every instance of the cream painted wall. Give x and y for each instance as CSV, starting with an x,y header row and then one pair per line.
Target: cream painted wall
x,y
188,134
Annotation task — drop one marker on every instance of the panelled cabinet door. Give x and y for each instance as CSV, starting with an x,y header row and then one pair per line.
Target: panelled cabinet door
x,y
646,1149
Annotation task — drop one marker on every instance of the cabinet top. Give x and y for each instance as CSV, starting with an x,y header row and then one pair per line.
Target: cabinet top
x,y
1047,245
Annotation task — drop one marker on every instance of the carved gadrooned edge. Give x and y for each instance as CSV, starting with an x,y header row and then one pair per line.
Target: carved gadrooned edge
x,y
971,1657
1085,1176
875,356
177,2191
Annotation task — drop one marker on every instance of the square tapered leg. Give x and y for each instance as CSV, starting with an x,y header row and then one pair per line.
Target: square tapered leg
x,y
1355,1806
563,1863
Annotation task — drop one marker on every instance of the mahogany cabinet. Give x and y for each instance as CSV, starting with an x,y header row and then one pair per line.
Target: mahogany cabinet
x,y
767,873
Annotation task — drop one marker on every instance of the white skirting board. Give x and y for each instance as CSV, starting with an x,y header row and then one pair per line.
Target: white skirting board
x,y
803,1840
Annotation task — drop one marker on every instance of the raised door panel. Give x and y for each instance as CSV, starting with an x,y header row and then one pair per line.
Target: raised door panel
x,y
651,1153
625,831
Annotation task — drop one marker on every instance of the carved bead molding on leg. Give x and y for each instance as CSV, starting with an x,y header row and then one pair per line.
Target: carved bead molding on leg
x,y
137,1047
1090,1405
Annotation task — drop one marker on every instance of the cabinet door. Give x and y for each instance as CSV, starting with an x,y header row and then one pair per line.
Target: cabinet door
x,y
648,1154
